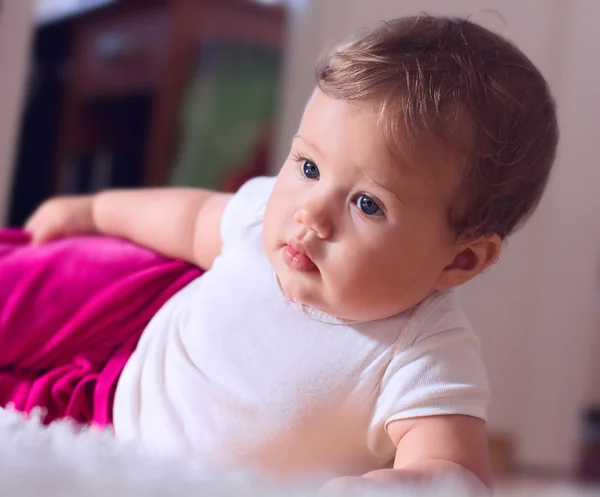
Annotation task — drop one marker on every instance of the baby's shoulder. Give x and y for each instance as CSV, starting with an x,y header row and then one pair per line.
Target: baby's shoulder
x,y
439,317
246,207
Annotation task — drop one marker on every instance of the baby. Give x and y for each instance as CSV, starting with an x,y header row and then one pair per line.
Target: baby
x,y
326,336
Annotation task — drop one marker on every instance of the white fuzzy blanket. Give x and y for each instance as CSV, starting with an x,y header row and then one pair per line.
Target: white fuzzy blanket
x,y
62,460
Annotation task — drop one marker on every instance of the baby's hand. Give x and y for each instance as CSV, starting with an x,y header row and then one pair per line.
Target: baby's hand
x,y
351,485
386,481
391,481
61,217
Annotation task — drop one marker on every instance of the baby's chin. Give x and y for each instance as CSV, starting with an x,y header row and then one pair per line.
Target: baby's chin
x,y
304,290
317,297
349,308
323,295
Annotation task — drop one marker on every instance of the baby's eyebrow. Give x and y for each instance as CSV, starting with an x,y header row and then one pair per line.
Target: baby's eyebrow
x,y
379,184
309,143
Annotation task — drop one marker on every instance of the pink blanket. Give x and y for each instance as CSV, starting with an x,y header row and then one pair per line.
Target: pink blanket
x,y
71,313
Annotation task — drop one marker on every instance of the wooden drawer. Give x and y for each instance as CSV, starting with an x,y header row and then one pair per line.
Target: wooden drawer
x,y
120,55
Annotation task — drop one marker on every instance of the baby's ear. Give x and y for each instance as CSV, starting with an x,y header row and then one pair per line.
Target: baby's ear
x,y
472,258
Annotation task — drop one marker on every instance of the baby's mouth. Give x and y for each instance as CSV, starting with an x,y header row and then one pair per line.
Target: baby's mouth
x,y
294,255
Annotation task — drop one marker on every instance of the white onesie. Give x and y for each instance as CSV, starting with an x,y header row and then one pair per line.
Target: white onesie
x,y
232,373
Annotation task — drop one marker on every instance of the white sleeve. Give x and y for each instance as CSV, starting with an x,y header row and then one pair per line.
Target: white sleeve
x,y
437,368
246,207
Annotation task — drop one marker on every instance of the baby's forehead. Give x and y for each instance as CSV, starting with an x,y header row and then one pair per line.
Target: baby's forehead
x,y
341,127
368,138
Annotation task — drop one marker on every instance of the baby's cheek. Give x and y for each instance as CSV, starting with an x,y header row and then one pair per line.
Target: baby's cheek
x,y
348,274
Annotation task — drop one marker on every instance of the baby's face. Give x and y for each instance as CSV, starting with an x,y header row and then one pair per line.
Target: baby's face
x,y
348,229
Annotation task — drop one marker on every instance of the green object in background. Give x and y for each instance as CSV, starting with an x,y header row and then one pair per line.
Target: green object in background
x,y
230,98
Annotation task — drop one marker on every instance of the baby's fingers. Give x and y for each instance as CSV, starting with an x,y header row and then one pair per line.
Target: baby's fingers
x,y
41,230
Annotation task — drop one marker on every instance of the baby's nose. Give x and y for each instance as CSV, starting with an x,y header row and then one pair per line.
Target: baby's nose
x,y
316,217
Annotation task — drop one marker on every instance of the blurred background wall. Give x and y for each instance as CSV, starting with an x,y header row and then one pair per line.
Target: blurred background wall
x,y
194,109
16,24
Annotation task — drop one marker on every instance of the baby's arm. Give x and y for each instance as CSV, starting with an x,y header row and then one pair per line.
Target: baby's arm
x,y
176,222
179,223
430,446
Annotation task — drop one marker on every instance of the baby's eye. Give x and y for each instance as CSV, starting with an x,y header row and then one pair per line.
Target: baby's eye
x,y
310,170
368,205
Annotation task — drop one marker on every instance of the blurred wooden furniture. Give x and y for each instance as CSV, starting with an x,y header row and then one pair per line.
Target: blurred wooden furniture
x,y
145,50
